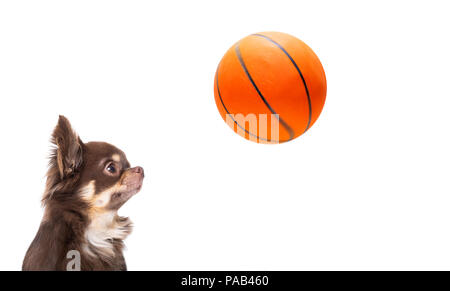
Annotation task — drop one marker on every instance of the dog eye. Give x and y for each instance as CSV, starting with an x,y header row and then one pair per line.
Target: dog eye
x,y
111,168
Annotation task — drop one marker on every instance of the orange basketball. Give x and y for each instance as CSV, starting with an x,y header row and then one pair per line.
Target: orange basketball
x,y
270,87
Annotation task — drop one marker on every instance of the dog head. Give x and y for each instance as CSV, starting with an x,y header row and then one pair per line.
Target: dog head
x,y
95,174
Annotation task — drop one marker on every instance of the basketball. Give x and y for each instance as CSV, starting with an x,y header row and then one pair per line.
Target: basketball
x,y
270,87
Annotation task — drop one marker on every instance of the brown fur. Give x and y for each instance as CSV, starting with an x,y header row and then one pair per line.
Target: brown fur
x,y
70,217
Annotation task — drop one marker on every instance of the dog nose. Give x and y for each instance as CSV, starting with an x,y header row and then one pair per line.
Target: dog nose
x,y
138,170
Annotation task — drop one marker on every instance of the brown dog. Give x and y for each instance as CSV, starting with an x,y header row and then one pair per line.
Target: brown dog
x,y
86,184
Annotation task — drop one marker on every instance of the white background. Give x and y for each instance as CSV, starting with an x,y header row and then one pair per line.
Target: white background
x,y
367,187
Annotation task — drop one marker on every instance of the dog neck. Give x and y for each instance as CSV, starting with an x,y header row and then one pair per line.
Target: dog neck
x,y
104,231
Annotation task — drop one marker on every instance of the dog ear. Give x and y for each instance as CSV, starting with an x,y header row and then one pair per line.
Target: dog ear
x,y
68,155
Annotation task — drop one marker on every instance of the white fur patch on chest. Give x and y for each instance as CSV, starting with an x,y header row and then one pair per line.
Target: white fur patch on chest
x,y
105,227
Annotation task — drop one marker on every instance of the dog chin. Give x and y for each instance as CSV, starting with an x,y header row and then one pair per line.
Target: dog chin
x,y
120,198
134,189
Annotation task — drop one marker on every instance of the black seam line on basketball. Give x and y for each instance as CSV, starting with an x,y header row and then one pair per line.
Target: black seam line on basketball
x,y
283,123
231,115
228,113
299,72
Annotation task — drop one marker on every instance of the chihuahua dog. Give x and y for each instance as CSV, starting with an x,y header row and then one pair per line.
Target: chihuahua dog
x,y
86,185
